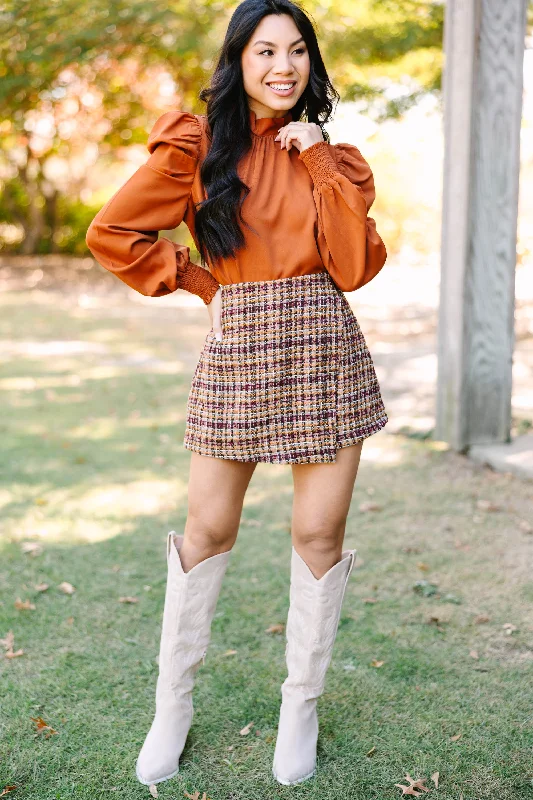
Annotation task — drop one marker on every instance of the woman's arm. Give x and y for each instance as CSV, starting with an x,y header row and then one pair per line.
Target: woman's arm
x,y
343,189
123,235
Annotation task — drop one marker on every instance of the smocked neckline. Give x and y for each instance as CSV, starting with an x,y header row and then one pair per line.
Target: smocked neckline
x,y
267,126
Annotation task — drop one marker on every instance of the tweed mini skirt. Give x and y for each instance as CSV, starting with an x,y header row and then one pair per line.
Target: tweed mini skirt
x,y
291,382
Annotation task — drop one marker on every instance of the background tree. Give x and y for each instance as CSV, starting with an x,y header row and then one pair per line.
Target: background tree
x,y
82,79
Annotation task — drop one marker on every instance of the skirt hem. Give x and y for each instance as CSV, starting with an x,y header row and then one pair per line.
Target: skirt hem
x,y
282,458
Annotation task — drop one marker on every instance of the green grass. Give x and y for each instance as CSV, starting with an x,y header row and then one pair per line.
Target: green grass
x,y
94,470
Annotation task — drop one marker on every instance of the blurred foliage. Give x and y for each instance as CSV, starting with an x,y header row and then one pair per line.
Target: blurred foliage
x,y
80,80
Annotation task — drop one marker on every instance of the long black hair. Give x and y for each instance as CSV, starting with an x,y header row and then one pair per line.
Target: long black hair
x,y
217,221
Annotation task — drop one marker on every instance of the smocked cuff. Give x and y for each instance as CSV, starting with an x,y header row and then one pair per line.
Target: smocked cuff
x,y
319,161
197,280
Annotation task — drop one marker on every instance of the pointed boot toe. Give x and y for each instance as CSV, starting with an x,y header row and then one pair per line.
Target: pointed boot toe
x,y
295,753
160,754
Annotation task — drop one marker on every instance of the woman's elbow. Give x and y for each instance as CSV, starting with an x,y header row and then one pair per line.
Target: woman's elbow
x,y
375,263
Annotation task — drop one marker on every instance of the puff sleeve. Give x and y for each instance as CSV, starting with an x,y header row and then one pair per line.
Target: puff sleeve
x,y
343,190
123,236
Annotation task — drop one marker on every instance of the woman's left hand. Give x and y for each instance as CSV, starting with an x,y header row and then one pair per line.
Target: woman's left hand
x,y
301,134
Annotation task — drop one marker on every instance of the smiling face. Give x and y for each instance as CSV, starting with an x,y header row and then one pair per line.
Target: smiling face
x,y
275,66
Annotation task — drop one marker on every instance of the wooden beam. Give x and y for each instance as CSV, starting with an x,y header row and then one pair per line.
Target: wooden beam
x,y
483,80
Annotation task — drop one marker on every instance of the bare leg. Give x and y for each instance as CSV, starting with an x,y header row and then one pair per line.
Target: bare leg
x,y
322,497
215,498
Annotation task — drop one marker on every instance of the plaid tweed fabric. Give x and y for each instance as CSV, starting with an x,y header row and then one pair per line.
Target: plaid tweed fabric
x,y
291,382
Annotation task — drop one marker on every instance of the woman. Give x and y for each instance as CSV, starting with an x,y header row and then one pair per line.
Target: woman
x,y
279,216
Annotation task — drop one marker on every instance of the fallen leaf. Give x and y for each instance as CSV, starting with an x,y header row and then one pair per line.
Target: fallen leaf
x,y
116,568
480,619
474,654
276,628
153,790
69,620
229,653
411,549
435,779
66,588
369,506
487,505
423,566
24,605
456,737
40,501
460,546
413,786
128,600
42,587
8,643
375,663
369,600
7,789
246,730
509,627
371,751
43,727
525,526
31,548
195,796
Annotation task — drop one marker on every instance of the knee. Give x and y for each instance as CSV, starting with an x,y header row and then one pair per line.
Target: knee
x,y
321,537
208,535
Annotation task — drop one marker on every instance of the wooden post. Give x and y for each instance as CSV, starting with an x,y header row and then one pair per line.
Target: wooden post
x,y
483,77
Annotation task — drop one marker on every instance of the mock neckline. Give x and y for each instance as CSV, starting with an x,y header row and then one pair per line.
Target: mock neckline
x,y
267,126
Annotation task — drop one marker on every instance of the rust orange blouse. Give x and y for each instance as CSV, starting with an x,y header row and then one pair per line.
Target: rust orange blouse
x,y
309,210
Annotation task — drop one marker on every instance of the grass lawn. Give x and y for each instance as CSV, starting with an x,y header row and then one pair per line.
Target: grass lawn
x,y
426,678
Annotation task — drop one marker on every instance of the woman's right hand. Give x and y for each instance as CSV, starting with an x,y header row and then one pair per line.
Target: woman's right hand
x,y
214,309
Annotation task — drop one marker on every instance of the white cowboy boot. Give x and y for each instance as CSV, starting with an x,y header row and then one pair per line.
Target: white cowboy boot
x,y
190,603
312,622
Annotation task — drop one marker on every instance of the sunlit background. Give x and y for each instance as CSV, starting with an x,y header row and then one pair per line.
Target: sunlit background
x,y
82,84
